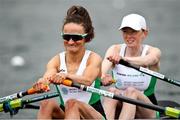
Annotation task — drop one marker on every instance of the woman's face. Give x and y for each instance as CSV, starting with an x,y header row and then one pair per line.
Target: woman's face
x,y
132,37
73,35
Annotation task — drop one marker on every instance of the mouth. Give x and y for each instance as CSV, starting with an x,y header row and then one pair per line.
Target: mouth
x,y
130,41
72,46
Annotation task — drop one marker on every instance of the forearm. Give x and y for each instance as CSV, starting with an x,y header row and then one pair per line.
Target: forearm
x,y
142,61
106,66
50,72
81,79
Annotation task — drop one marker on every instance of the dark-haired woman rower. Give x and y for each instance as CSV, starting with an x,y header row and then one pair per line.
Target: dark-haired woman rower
x,y
78,64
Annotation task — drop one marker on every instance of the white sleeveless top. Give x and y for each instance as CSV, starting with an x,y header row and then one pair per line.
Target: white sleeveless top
x,y
72,92
127,77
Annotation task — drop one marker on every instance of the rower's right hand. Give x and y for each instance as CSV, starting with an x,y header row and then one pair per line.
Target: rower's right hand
x,y
42,85
115,58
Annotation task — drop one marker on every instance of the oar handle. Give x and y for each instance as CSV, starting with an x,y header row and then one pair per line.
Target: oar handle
x,y
125,63
33,90
67,82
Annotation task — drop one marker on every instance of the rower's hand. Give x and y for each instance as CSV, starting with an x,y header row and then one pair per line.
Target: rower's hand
x,y
115,58
42,85
106,79
58,78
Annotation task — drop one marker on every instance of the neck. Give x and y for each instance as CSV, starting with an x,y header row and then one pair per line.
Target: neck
x,y
75,57
133,51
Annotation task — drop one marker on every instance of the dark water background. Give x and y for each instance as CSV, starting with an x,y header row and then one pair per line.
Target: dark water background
x,y
30,28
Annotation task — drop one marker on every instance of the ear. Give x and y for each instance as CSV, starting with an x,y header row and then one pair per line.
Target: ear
x,y
145,33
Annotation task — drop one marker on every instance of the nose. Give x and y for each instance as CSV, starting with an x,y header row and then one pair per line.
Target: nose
x,y
129,34
71,41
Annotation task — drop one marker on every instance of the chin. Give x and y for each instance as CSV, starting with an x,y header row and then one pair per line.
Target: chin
x,y
130,45
73,50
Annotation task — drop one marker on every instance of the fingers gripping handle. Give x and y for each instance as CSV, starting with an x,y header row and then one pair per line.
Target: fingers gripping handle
x,y
46,87
33,90
67,82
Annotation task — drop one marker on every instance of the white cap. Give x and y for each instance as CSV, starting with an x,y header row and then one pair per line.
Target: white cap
x,y
134,21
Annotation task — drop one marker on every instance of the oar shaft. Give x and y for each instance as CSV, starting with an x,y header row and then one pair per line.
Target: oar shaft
x,y
10,97
150,72
20,94
174,82
39,98
13,96
121,98
170,112
19,103
138,103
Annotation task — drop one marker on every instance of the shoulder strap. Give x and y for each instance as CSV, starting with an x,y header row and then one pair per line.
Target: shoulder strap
x,y
63,67
82,66
145,49
122,50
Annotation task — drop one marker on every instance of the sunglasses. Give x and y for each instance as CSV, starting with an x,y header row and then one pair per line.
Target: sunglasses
x,y
74,37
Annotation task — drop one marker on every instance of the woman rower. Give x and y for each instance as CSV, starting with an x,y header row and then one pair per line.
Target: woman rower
x,y
78,64
131,83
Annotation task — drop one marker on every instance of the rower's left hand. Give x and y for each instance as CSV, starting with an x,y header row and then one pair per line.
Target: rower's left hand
x,y
106,79
58,78
42,85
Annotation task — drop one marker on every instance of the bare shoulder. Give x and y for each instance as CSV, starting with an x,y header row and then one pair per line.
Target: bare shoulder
x,y
54,61
95,56
114,48
154,50
94,59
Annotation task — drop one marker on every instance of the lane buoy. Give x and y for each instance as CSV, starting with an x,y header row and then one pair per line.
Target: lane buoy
x,y
17,61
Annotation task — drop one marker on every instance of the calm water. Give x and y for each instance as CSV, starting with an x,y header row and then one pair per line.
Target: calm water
x,y
30,28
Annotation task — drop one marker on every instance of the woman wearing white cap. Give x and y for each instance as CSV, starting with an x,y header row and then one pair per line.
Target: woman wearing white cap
x,y
130,82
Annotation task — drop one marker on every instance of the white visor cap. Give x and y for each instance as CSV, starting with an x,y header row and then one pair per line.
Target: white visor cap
x,y
134,21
